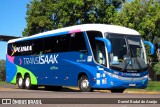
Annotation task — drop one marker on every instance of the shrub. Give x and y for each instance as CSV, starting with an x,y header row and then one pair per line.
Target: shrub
x,y
156,68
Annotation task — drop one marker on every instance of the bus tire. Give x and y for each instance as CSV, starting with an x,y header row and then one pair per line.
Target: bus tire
x,y
117,90
83,84
20,82
28,84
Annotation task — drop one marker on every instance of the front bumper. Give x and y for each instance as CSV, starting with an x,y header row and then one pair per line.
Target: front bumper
x,y
112,81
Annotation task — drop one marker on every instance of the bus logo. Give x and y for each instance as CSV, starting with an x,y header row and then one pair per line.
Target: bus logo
x,y
43,59
15,49
81,56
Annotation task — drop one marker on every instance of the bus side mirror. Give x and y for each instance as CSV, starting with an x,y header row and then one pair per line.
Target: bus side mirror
x,y
106,42
151,47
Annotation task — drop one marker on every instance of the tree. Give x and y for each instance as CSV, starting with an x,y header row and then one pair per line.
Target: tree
x,y
2,70
141,15
157,68
44,15
39,16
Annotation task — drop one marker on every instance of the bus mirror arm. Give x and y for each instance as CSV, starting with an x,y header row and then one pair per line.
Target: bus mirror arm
x,y
106,42
151,47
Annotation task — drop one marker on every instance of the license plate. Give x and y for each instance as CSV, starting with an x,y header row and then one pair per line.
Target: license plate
x,y
132,85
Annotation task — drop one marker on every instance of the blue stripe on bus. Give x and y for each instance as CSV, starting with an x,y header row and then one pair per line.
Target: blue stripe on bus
x,y
84,66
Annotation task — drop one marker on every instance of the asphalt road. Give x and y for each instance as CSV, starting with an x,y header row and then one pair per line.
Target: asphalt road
x,y
71,97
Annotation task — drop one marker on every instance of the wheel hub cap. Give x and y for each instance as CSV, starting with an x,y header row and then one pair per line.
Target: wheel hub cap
x,y
85,84
20,82
27,82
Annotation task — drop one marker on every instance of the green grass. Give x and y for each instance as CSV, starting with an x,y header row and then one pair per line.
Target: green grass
x,y
3,82
153,86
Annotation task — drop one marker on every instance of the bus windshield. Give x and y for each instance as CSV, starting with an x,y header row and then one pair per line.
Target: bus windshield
x,y
127,53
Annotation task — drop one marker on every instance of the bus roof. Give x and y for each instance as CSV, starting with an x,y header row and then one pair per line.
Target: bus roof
x,y
84,27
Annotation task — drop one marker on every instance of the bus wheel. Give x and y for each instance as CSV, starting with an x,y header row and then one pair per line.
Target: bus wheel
x,y
117,90
28,83
83,84
20,82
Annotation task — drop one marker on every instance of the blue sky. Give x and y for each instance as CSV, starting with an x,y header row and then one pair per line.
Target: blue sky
x,y
12,20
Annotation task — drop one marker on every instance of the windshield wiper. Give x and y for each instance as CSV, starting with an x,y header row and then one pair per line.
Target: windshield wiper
x,y
126,65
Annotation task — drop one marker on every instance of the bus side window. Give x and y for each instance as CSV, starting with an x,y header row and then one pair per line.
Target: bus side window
x,y
10,49
37,47
63,43
50,44
98,48
100,53
78,43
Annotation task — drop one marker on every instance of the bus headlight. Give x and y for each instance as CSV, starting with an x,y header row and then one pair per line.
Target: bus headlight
x,y
145,77
115,76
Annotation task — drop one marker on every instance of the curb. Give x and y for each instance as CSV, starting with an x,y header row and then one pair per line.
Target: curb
x,y
126,91
142,92
101,91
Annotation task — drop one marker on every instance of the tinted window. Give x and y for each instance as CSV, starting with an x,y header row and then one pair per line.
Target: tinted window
x,y
119,46
63,43
100,54
78,43
37,47
20,48
50,44
94,43
9,49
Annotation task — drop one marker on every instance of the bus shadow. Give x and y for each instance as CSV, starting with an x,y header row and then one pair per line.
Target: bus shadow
x,y
64,89
42,88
